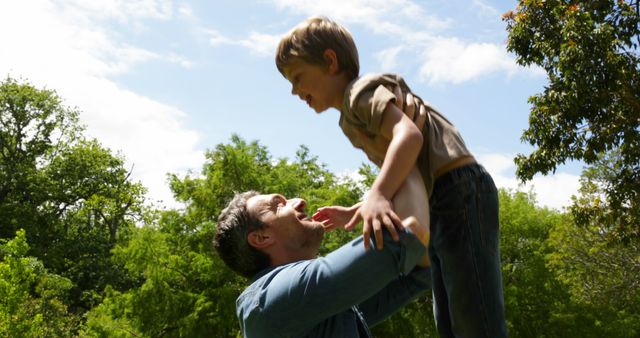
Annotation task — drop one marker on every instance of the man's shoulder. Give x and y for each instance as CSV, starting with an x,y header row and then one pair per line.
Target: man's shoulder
x,y
270,278
262,300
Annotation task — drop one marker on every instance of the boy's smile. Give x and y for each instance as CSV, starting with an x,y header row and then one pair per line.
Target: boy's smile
x,y
321,87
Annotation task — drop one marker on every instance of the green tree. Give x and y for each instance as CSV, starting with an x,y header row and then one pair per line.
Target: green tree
x,y
590,111
602,280
34,126
73,197
591,106
33,302
535,301
92,206
600,268
187,290
182,294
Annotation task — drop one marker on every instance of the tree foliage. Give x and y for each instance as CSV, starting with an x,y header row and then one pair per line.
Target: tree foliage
x,y
601,277
73,197
33,302
187,290
536,303
34,126
599,266
591,106
565,275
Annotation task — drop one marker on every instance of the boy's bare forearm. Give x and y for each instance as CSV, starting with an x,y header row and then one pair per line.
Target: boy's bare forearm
x,y
401,156
356,206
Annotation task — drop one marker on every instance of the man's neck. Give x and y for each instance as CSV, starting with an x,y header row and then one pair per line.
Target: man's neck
x,y
280,257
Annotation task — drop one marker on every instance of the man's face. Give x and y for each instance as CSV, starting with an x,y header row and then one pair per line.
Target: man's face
x,y
312,83
288,222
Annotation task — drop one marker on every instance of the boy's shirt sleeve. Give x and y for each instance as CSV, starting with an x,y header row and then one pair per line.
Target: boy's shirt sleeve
x,y
366,100
371,105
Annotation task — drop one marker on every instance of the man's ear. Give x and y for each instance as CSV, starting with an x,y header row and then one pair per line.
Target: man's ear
x,y
331,60
260,239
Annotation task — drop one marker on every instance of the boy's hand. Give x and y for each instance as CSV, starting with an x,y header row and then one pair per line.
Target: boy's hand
x,y
376,212
336,216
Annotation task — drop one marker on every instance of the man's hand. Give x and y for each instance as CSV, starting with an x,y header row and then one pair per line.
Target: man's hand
x,y
411,106
337,216
376,212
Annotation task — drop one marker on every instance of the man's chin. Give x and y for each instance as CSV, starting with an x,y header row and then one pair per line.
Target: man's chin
x,y
317,233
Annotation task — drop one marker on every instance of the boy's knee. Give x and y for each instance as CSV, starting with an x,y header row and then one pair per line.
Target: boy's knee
x,y
419,230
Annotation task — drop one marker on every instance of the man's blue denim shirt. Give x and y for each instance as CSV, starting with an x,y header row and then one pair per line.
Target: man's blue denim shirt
x,y
313,298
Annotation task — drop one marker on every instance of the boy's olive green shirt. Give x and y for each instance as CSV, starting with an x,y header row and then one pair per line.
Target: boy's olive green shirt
x,y
365,101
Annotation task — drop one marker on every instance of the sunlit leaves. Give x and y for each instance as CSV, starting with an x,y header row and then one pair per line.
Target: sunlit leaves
x,y
591,106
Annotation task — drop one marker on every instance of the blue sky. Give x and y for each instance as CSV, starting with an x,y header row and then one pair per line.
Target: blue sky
x,y
161,81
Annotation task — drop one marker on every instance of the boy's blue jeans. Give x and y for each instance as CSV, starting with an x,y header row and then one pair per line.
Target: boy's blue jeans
x,y
465,256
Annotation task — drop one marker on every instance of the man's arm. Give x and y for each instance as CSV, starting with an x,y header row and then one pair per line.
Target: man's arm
x,y
405,288
396,295
303,294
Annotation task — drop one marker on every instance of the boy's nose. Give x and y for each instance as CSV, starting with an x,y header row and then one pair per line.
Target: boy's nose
x,y
296,92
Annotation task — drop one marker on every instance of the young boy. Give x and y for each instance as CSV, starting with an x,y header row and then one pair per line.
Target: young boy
x,y
320,60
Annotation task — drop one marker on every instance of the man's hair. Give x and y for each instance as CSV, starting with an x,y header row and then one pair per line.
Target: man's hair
x,y
308,41
234,224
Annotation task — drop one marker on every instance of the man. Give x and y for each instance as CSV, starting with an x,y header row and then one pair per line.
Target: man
x,y
294,293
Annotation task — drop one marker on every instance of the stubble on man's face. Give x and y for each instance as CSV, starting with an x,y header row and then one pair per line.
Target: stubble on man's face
x,y
290,224
313,236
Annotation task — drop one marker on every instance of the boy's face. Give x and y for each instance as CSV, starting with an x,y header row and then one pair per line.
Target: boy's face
x,y
315,84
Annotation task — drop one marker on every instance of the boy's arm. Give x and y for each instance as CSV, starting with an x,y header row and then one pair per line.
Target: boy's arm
x,y
402,153
336,216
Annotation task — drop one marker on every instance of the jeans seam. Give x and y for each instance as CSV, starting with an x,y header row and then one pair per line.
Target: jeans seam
x,y
485,318
480,217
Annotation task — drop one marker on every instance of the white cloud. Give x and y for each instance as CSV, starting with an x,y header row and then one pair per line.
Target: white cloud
x,y
186,11
122,10
258,43
261,44
49,46
452,60
485,8
553,191
378,15
388,58
179,60
216,38
444,59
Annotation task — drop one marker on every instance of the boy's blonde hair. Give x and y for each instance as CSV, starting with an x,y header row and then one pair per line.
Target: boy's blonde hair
x,y
309,39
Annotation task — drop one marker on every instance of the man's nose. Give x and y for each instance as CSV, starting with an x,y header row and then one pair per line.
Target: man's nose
x,y
298,203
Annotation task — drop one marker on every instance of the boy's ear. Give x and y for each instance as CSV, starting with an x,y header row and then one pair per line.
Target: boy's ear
x,y
331,60
260,239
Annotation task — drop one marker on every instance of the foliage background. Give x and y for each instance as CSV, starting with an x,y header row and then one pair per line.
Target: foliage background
x,y
82,254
